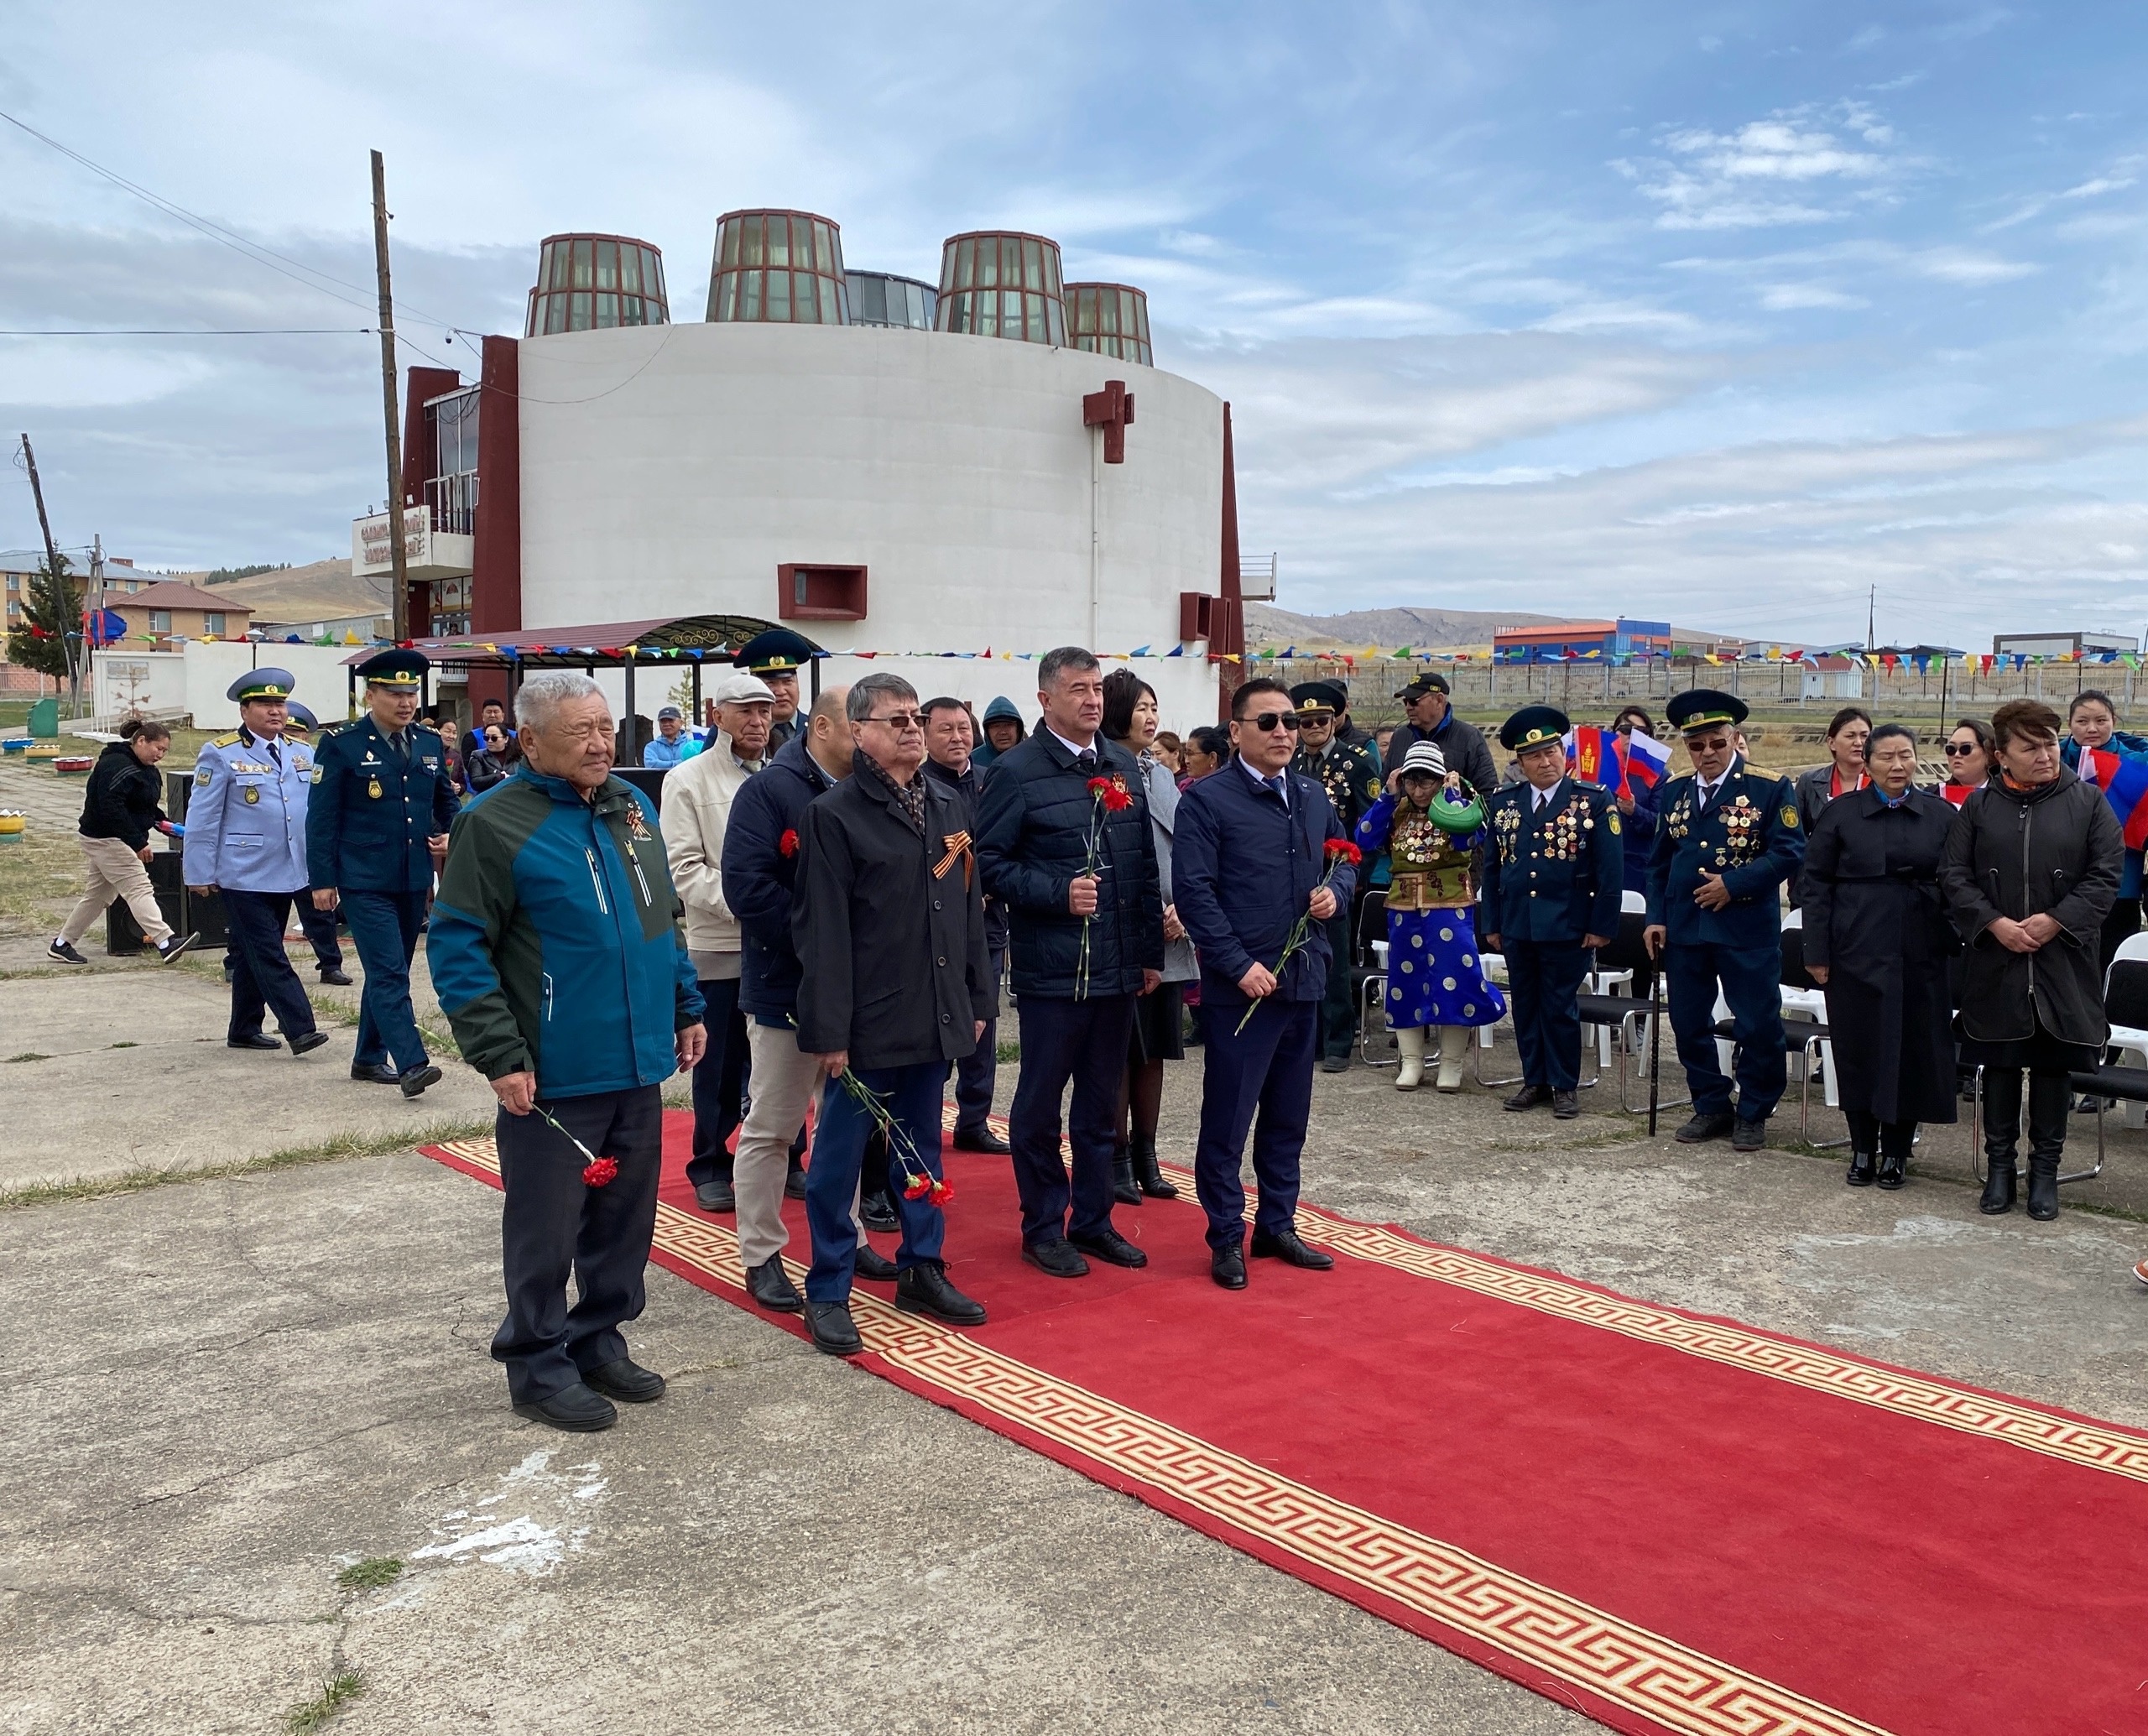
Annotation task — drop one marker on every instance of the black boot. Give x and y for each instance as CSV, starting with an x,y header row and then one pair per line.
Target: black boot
x,y
1896,1139
2051,1096
1146,1176
1123,1189
2002,1131
1864,1148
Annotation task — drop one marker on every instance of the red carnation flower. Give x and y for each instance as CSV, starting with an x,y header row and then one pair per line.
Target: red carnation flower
x,y
1343,850
787,845
942,1192
917,1187
598,1171
1112,793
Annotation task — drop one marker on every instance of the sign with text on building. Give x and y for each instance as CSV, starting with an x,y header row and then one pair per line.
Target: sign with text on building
x,y
429,554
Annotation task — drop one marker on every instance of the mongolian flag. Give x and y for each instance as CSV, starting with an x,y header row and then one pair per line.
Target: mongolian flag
x,y
2124,784
1592,755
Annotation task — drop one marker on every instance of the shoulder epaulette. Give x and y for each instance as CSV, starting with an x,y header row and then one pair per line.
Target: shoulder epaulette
x,y
226,741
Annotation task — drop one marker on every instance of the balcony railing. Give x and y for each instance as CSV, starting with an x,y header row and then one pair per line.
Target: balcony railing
x,y
454,503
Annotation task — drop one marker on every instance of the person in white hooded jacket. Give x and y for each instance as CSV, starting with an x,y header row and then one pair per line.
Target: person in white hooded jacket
x,y
697,795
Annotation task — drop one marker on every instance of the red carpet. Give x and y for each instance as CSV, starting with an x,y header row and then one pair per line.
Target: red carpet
x,y
1669,1522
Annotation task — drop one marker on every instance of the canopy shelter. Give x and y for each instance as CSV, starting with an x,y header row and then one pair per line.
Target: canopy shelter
x,y
666,643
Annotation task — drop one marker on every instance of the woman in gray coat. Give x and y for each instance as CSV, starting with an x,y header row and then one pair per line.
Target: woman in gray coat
x,y
1131,719
2030,871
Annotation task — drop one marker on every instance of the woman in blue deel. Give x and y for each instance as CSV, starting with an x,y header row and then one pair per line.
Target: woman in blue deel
x,y
1429,825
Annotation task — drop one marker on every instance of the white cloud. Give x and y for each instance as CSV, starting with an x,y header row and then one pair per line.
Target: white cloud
x,y
1793,167
1962,265
1787,298
2096,188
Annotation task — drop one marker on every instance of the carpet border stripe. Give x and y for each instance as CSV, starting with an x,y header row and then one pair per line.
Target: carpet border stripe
x,y
1531,1633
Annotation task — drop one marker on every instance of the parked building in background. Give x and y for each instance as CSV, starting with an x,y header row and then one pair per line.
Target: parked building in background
x,y
2061,644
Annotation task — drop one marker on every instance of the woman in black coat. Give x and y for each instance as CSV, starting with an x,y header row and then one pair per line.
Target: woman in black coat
x,y
2032,870
120,809
1878,940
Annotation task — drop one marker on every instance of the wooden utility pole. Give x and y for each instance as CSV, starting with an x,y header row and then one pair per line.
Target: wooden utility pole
x,y
399,583
67,642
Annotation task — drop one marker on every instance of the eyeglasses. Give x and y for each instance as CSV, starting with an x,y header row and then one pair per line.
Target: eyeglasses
x,y
1267,721
900,720
1960,750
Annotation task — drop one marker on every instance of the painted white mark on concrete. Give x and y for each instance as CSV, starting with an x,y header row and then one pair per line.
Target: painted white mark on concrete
x,y
537,1539
521,1545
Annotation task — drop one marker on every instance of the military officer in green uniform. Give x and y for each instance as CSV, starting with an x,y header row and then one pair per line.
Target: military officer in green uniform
x,y
776,656
383,798
1726,837
1349,772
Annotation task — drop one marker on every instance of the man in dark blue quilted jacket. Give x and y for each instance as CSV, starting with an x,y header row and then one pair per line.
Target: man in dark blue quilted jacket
x,y
1064,841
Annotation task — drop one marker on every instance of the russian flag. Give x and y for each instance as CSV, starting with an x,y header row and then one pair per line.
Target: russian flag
x,y
2124,784
1648,761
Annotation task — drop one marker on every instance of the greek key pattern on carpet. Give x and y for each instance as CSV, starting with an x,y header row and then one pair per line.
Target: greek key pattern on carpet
x,y
1628,1665
1921,1396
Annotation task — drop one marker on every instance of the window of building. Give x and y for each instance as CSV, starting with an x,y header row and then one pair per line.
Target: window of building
x,y
213,622
1002,285
806,592
1110,320
591,282
160,620
782,266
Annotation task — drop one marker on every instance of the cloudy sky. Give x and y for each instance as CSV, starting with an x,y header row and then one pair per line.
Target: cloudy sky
x,y
1723,312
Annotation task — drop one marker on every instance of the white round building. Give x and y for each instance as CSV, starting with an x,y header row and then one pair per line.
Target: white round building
x,y
924,477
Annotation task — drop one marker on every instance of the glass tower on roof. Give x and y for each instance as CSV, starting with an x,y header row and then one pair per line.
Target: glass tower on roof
x,y
1111,319
782,266
1001,284
590,283
879,299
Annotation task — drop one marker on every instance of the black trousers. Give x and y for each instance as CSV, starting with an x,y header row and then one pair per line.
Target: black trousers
x,y
555,1226
320,927
719,1082
1083,1042
264,977
1544,984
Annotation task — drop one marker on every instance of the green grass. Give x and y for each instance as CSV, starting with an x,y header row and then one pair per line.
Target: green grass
x,y
370,1574
27,1054
336,1693
135,1180
1007,1052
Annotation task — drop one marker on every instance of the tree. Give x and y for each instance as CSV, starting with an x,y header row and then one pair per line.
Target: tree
x,y
51,611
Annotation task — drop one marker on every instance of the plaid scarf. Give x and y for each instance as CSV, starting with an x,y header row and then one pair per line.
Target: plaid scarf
x,y
909,798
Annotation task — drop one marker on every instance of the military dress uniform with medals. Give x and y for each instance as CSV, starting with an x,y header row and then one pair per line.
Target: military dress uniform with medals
x,y
375,805
1553,876
1351,775
246,836
1745,829
777,652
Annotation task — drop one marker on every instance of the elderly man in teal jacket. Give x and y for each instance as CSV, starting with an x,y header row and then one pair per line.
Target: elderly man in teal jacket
x,y
556,955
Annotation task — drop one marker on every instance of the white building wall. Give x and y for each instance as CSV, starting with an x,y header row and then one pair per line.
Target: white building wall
x,y
670,470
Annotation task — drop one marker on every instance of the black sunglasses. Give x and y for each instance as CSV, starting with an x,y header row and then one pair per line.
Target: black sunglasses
x,y
1956,750
1273,720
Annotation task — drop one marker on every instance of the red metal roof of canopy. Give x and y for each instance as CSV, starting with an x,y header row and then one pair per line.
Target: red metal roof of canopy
x,y
603,644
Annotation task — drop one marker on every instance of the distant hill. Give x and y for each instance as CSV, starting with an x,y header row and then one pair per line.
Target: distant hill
x,y
1425,629
321,590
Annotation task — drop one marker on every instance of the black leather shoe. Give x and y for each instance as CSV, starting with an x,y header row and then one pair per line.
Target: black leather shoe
x,y
415,1081
716,1196
874,1266
1056,1259
770,1285
1110,1247
1227,1266
335,976
307,1041
1123,1192
255,1039
376,1073
1528,1097
876,1211
1285,1245
981,1139
576,1409
1147,1176
793,1188
1748,1135
1703,1128
833,1329
625,1380
1335,1063
1894,1172
923,1288
1862,1166
2043,1188
1998,1196
1566,1105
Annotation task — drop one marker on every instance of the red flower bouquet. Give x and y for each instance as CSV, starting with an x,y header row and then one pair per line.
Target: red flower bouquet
x,y
596,1172
1107,795
787,845
1340,853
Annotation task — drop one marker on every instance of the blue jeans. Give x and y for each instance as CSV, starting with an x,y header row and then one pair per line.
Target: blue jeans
x,y
912,1096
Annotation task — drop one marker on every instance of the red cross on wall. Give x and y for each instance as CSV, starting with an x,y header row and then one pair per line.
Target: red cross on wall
x,y
1111,410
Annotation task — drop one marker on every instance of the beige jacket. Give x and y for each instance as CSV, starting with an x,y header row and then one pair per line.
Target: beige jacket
x,y
697,808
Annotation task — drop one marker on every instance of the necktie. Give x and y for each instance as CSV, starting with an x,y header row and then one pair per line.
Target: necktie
x,y
1086,761
276,753
401,745
1276,784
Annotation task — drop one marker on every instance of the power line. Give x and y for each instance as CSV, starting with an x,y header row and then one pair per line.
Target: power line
x,y
217,233
188,332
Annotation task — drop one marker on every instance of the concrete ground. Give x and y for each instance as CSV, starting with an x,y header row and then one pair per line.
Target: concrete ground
x,y
257,1446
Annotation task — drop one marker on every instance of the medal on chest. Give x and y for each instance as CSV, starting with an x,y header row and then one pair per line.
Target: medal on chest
x,y
253,793
373,789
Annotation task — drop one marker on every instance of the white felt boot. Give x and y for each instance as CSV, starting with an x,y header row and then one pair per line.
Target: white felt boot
x,y
1454,1050
1410,1038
